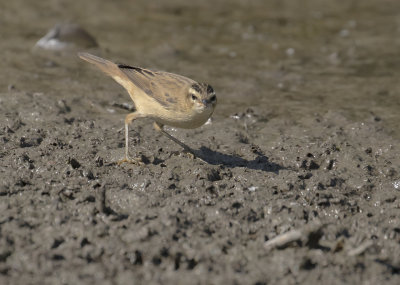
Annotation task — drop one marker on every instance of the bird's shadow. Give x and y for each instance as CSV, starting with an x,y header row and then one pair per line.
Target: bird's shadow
x,y
261,162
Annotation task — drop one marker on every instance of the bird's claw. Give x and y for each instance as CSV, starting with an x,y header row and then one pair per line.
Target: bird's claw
x,y
127,159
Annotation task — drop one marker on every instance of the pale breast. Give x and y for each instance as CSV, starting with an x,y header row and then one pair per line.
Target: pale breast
x,y
187,120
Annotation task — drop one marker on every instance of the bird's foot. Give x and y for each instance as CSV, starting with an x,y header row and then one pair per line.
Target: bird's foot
x,y
192,154
127,159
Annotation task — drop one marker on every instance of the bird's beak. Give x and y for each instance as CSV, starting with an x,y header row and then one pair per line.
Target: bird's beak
x,y
205,102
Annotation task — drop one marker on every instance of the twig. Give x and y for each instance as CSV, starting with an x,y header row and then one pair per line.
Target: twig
x,y
306,235
361,248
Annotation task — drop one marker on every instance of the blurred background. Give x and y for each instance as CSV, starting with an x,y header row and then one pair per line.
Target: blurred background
x,y
290,58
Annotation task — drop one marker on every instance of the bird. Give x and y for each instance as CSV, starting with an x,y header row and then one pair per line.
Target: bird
x,y
168,99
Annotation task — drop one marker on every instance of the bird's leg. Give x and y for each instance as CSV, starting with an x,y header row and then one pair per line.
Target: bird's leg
x,y
128,119
159,128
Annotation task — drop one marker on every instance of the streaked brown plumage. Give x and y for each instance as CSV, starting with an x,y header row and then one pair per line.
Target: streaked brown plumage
x,y
167,98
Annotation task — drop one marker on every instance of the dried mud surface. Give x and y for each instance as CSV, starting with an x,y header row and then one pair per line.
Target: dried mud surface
x,y
300,140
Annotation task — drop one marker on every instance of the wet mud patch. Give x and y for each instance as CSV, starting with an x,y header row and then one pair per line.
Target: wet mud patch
x,y
67,204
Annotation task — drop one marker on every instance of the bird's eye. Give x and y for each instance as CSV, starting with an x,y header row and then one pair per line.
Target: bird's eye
x,y
213,98
194,97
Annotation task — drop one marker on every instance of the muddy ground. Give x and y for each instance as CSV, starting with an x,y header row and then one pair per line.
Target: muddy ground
x,y
304,141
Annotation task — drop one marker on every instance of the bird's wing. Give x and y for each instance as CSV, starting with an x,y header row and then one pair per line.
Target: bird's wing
x,y
166,88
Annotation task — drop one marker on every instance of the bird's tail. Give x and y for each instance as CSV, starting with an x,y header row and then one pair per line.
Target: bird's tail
x,y
112,70
103,64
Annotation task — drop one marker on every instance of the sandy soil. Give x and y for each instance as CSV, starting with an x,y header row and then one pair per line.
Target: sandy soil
x,y
304,145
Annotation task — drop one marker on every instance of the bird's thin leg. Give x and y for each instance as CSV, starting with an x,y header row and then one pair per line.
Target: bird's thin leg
x,y
128,119
159,128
